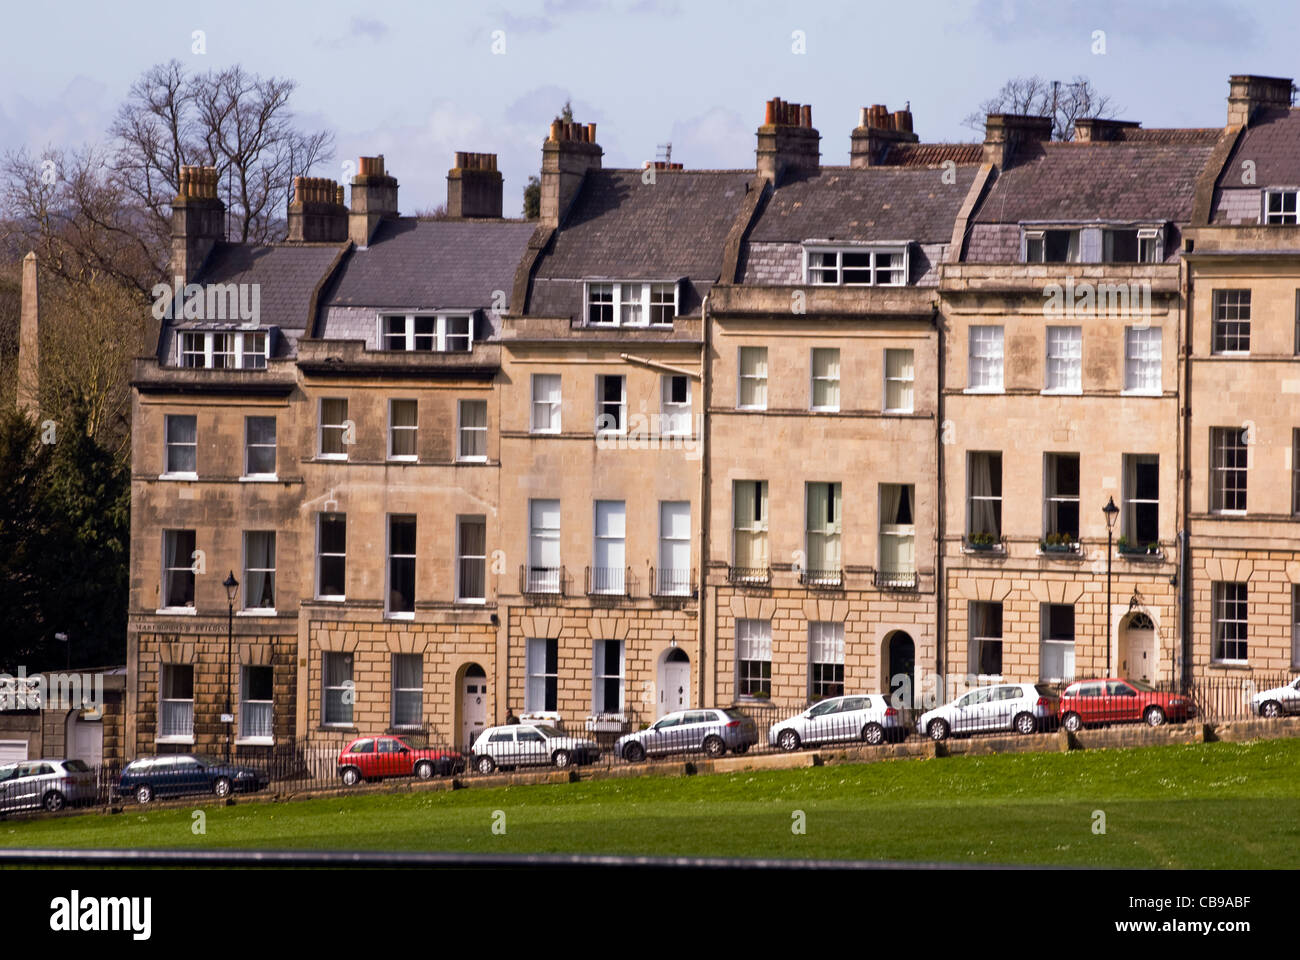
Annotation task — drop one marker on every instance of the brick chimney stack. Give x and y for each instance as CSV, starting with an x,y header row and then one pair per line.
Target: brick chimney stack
x,y
787,141
29,340
198,221
1248,94
317,213
877,129
568,153
474,186
1092,129
374,197
1005,133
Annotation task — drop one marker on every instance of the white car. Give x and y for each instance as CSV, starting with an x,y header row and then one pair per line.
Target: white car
x,y
1023,707
529,745
836,719
1277,702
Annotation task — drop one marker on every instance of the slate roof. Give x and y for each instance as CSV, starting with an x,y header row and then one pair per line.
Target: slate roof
x,y
287,275
1273,143
869,203
431,264
621,228
1106,180
931,154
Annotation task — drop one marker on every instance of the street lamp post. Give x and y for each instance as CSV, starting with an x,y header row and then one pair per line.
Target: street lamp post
x,y
1111,511
232,591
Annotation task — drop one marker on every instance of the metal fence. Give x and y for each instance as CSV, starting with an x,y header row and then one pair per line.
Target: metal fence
x,y
631,738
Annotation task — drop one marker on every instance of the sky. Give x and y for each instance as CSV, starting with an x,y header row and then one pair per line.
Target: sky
x,y
417,81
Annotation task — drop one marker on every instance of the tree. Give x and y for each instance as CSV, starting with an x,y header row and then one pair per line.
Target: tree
x,y
1033,96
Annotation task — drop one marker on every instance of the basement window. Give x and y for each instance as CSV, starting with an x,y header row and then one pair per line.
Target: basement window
x,y
430,333
856,266
1280,207
631,304
223,349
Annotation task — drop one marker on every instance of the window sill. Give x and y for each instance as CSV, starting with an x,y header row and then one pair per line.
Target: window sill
x,y
333,457
178,476
823,409
739,407
259,478
471,601
471,459
1230,664
255,742
1141,393
331,599
544,433
986,390
256,612
1061,393
176,611
889,410
399,616
403,459
1227,513
187,740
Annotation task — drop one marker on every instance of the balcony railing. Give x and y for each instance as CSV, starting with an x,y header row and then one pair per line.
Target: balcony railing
x,y
608,581
756,576
541,581
672,582
894,579
822,579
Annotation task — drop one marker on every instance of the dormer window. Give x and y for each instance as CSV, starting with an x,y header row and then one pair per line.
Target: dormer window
x,y
631,304
1052,246
858,266
1137,245
229,349
431,332
1280,206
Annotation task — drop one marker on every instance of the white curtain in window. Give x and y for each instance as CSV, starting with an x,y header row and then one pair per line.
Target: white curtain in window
x,y
751,524
753,381
826,379
984,518
259,568
899,379
823,526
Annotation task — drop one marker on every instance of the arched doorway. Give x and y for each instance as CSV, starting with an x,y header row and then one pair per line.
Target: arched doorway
x,y
898,666
473,703
1138,658
674,682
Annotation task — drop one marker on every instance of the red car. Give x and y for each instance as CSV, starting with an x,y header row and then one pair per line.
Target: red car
x,y
1120,701
372,758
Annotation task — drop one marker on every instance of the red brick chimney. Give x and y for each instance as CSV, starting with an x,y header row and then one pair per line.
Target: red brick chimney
x,y
317,213
877,129
787,141
474,186
1005,133
1248,94
198,221
374,197
568,153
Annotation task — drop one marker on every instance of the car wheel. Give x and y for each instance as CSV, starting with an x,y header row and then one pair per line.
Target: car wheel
x,y
1154,716
351,776
714,747
873,733
485,764
53,801
424,770
561,758
788,740
1271,709
1073,722
938,730
1025,723
634,753
221,787
143,793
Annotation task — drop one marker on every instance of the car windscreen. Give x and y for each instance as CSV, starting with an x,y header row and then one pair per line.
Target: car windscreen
x,y
1140,685
1045,691
76,766
547,731
734,714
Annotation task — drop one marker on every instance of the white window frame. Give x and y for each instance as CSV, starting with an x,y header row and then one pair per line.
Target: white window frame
x,y
742,376
535,673
816,274
1217,602
442,333
1215,320
1219,491
538,536
985,338
814,379
175,737
1063,360
1065,649
168,443
245,737
908,381
322,426
556,404
1128,495
393,428
607,542
824,635
241,348
752,526
461,557
753,636
650,295
667,547
897,532
600,675
975,643
621,429
249,446
1284,217
831,531
389,557
349,684
395,690
185,563
321,554
462,431
245,593
675,417
1140,357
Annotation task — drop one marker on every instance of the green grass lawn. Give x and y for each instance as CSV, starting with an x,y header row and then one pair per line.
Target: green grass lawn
x,y
1202,805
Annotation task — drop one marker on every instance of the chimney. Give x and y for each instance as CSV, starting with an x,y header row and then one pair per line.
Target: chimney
x,y
198,221
1005,133
877,129
29,342
474,186
1248,94
568,153
1092,129
787,141
374,197
317,214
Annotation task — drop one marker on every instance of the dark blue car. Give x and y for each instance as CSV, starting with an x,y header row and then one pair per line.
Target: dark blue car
x,y
174,775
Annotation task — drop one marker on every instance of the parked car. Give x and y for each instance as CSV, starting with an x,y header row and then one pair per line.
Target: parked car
x,y
373,758
1113,700
713,731
181,774
1023,707
836,719
529,745
48,784
1277,702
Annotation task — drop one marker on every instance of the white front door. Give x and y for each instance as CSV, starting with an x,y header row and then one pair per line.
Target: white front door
x,y
85,740
1137,657
473,709
674,686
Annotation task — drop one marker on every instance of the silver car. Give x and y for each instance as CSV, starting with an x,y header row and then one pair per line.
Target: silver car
x,y
529,745
1023,707
837,719
712,731
1277,702
48,784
